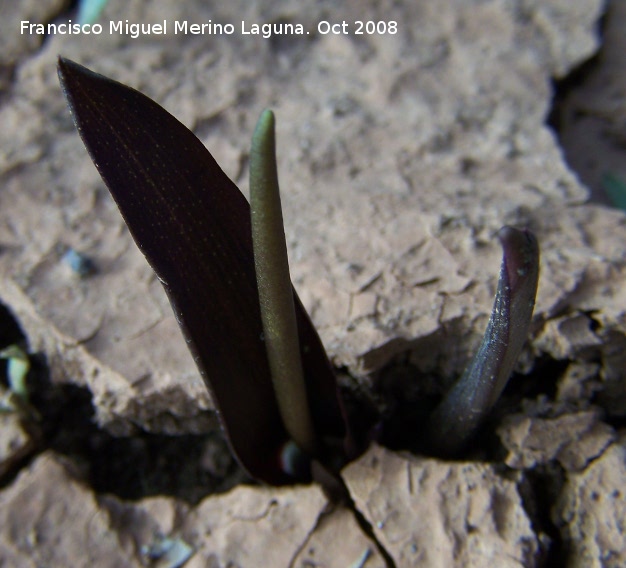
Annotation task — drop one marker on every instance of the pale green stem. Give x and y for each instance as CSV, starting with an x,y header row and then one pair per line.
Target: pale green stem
x,y
275,291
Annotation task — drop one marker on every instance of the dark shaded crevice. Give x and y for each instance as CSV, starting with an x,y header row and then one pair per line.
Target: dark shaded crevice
x,y
186,466
542,380
7,79
362,524
368,530
407,396
10,331
338,494
574,110
616,422
539,490
564,87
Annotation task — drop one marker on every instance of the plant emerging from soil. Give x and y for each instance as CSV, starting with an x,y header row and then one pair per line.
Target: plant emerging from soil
x,y
223,264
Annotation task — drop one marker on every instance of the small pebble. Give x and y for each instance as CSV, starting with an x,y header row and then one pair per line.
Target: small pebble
x,y
79,263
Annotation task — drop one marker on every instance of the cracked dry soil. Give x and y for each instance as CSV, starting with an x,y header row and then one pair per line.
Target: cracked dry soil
x,y
99,481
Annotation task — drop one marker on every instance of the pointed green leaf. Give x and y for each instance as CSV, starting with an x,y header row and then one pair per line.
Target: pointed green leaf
x,y
275,295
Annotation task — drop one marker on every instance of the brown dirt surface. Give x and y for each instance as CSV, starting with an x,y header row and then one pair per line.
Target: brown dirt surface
x,y
400,156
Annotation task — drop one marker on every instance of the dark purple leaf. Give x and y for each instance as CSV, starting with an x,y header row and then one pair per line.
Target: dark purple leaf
x,y
193,225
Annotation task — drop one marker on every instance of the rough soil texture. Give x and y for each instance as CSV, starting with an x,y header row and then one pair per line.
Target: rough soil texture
x,y
400,157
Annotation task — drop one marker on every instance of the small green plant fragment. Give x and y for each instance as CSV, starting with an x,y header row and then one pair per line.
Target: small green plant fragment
x,y
615,187
275,294
18,366
16,398
89,10
470,399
